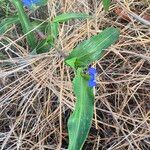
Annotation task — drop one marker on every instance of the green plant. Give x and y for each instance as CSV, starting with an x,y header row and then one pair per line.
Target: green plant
x,y
25,23
106,4
30,28
79,59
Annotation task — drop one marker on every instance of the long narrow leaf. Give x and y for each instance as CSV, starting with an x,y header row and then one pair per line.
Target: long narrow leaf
x,y
67,16
54,30
79,122
44,46
91,49
6,23
106,4
26,24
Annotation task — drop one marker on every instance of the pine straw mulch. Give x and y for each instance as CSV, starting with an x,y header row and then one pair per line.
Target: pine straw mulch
x,y
36,91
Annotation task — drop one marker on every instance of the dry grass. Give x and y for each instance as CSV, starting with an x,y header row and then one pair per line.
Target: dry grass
x,y
36,91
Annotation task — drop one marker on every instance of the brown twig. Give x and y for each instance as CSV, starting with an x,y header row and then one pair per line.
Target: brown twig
x,y
135,16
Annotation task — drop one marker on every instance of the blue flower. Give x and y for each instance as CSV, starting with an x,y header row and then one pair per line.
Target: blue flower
x,y
92,72
30,3
92,83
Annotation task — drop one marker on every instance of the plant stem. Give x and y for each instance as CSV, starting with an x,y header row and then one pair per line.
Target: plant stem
x,y
25,23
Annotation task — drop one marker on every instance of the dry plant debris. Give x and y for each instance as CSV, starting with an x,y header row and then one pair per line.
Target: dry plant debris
x,y
36,95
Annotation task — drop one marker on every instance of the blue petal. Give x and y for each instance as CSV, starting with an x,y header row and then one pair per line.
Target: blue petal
x,y
92,71
92,83
29,3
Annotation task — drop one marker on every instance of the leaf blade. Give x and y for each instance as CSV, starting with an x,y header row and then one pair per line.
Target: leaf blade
x,y
79,122
67,16
6,23
106,4
90,50
25,23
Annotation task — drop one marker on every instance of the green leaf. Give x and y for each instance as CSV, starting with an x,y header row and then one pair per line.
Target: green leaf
x,y
41,28
6,23
79,122
91,49
44,45
67,16
106,4
54,29
25,23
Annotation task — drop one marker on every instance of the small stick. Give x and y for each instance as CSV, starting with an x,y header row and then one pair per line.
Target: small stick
x,y
135,16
